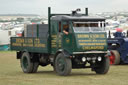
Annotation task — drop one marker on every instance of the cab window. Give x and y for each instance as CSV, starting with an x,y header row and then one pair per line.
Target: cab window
x,y
88,26
66,28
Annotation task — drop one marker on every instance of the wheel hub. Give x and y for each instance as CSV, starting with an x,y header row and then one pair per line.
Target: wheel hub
x,y
25,62
112,58
61,64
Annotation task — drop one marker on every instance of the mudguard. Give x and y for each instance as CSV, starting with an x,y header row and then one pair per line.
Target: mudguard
x,y
65,53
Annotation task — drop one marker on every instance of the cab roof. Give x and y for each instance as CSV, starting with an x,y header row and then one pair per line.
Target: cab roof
x,y
77,18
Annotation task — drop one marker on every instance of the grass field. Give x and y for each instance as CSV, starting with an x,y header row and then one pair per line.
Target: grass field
x,y
11,74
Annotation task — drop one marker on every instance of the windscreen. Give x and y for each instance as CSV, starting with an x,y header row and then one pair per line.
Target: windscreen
x,y
88,26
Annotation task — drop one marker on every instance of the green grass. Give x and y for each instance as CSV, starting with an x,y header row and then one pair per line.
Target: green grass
x,y
11,74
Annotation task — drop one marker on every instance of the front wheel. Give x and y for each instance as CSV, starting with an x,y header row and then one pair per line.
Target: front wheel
x,y
103,66
63,65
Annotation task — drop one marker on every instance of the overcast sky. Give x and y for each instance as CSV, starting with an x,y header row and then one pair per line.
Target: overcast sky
x,y
63,6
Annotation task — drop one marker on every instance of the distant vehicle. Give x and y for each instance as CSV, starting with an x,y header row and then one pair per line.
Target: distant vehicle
x,y
6,33
118,47
67,41
4,40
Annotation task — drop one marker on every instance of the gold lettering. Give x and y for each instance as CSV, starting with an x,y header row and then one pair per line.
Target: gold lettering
x,y
54,36
16,44
92,44
30,41
27,45
39,45
19,40
53,40
91,36
83,36
54,46
37,41
85,40
92,47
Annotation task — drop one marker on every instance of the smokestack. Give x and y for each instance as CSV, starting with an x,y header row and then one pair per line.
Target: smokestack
x,y
86,11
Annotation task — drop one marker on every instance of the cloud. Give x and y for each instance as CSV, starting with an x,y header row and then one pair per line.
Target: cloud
x,y
60,6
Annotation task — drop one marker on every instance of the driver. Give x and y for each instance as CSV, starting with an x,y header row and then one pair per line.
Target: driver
x,y
66,29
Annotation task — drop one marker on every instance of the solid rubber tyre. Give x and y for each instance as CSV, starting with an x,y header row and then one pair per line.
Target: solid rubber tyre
x,y
26,63
63,65
35,67
103,66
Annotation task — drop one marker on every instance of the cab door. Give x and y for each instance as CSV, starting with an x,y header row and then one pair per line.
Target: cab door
x,y
67,39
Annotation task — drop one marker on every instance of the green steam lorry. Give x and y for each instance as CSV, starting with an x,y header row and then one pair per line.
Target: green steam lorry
x,y
68,41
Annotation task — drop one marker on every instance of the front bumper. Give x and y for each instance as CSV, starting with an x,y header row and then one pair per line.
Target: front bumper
x,y
93,52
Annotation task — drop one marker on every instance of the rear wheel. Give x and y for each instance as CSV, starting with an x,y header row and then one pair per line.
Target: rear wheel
x,y
103,66
115,57
35,67
27,65
63,65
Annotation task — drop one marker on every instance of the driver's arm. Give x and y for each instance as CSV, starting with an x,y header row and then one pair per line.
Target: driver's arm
x,y
65,32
